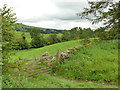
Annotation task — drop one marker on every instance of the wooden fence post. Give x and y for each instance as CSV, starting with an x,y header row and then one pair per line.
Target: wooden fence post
x,y
58,55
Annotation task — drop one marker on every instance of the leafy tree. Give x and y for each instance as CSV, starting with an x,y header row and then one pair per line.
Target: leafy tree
x,y
105,11
37,38
20,42
74,33
53,39
7,25
66,35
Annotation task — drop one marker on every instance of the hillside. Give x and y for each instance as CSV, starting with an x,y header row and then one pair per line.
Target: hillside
x,y
87,68
37,52
26,28
97,62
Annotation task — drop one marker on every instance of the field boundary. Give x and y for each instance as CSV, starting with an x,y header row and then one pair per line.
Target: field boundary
x,y
43,64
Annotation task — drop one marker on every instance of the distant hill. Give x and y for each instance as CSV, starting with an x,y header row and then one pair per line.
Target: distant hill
x,y
27,28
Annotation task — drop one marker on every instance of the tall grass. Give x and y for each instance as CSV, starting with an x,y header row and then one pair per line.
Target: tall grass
x,y
97,62
46,81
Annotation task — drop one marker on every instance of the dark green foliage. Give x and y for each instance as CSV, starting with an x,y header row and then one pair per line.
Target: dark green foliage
x,y
113,34
86,33
66,35
107,12
37,38
106,34
74,33
103,10
53,39
83,33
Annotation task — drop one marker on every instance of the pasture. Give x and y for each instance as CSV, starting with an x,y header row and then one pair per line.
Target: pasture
x,y
97,62
37,52
87,68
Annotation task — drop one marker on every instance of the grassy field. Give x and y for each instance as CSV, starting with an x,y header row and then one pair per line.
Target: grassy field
x,y
37,52
97,62
91,67
47,81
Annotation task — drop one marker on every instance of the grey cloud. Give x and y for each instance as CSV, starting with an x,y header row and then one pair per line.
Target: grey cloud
x,y
67,12
74,6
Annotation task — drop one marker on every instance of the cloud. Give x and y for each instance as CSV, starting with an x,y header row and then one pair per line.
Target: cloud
x,y
58,14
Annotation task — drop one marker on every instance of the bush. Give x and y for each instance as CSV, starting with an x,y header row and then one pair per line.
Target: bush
x,y
13,81
66,35
53,39
37,38
19,43
37,42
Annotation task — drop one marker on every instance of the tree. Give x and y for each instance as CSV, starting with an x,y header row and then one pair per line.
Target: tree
x,y
74,33
105,11
37,38
7,26
53,39
20,43
8,23
66,35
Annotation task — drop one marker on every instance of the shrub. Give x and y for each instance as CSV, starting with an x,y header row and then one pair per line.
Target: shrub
x,y
13,81
66,36
37,38
53,39
19,43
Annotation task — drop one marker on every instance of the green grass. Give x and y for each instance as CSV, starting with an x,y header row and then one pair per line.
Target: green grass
x,y
37,52
97,62
47,81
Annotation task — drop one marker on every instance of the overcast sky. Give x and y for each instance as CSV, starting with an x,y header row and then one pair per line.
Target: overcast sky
x,y
57,14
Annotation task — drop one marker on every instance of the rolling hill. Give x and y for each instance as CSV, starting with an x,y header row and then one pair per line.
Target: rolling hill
x,y
26,28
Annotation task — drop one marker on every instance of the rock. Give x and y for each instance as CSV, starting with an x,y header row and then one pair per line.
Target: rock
x,y
64,55
76,47
45,54
67,51
70,49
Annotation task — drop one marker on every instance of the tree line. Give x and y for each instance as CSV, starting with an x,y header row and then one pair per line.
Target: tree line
x,y
38,40
27,28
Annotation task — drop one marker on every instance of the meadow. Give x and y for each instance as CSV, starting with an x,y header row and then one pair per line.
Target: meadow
x,y
94,66
37,52
97,62
47,81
